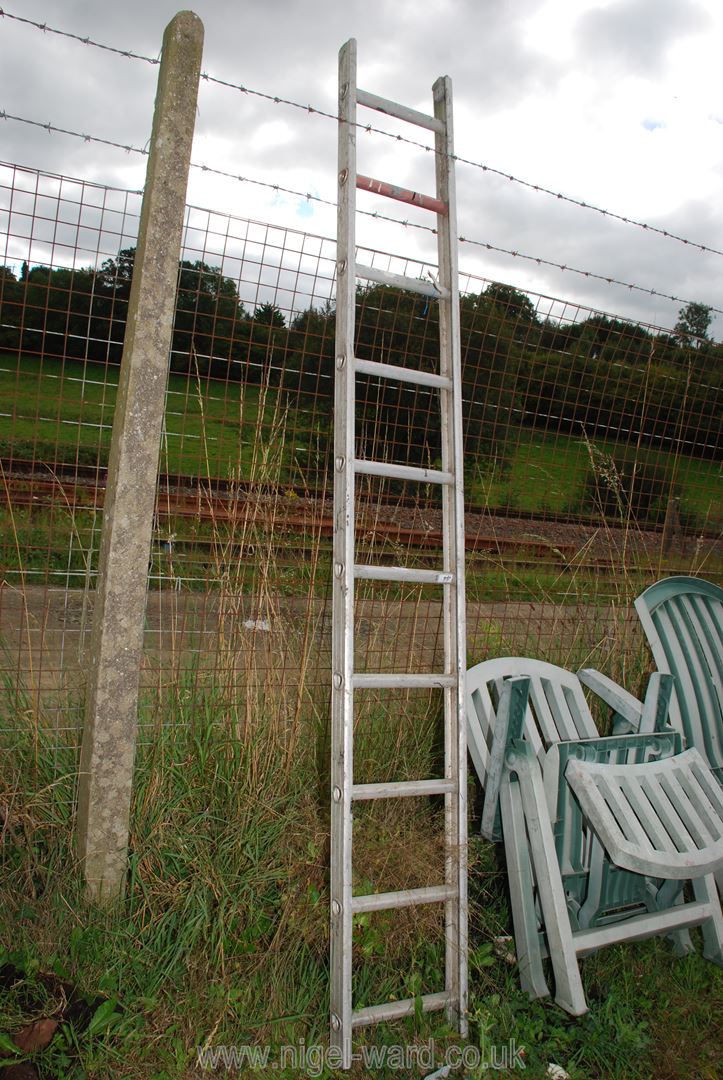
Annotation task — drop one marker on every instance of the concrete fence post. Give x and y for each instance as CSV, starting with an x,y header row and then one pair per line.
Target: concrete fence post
x,y
109,735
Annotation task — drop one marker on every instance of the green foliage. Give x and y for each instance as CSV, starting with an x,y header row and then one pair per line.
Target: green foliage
x,y
600,378
584,397
81,313
397,420
692,326
510,302
611,340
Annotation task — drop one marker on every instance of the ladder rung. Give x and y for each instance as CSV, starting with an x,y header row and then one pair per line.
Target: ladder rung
x,y
402,573
395,1010
391,371
402,681
402,112
399,281
401,789
402,472
400,194
385,901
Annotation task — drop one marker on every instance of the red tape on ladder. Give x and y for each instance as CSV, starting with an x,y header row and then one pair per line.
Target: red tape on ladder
x,y
391,191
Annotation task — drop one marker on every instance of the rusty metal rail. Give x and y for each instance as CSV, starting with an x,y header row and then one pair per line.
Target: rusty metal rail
x,y
294,520
179,484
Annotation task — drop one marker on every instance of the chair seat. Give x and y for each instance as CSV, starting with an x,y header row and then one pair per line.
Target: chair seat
x,y
661,818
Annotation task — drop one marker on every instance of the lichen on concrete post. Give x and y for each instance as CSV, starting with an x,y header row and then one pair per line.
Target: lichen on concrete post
x,y
111,717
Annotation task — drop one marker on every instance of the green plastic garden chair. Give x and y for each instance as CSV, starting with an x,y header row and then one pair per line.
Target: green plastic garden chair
x,y
683,621
601,834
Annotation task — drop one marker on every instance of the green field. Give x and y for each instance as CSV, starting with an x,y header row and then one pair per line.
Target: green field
x,y
57,412
547,473
64,412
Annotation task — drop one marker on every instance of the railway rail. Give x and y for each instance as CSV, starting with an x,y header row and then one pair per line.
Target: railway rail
x,y
295,517
178,483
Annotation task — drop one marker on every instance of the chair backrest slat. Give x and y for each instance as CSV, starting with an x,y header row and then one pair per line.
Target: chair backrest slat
x,y
695,643
617,797
702,614
688,812
549,721
479,735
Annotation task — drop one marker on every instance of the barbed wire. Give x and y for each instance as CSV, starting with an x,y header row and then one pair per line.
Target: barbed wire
x,y
309,197
53,129
460,160
78,37
565,268
582,204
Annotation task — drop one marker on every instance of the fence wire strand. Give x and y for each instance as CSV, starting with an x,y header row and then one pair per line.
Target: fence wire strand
x,y
312,110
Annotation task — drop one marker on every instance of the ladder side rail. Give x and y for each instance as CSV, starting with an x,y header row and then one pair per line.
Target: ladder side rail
x,y
342,693
456,914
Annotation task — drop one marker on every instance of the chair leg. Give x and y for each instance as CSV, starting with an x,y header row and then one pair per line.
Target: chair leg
x,y
522,893
681,943
569,993
669,893
591,907
705,890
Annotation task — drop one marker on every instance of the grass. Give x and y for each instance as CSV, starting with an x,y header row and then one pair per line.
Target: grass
x,y
223,934
68,406
547,473
222,937
62,411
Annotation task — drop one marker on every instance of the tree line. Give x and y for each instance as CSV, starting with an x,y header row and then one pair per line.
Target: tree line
x,y
599,377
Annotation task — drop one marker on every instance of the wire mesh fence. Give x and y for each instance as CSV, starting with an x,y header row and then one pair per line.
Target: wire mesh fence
x,y
592,466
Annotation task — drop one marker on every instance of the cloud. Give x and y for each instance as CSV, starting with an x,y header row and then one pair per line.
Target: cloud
x,y
634,36
567,105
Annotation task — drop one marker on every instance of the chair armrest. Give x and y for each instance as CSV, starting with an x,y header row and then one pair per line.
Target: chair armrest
x,y
657,703
628,710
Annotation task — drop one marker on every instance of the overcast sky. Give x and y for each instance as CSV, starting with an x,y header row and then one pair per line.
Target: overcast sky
x,y
618,103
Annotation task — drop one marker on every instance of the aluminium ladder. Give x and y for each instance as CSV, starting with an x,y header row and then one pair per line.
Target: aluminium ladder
x,y
449,577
